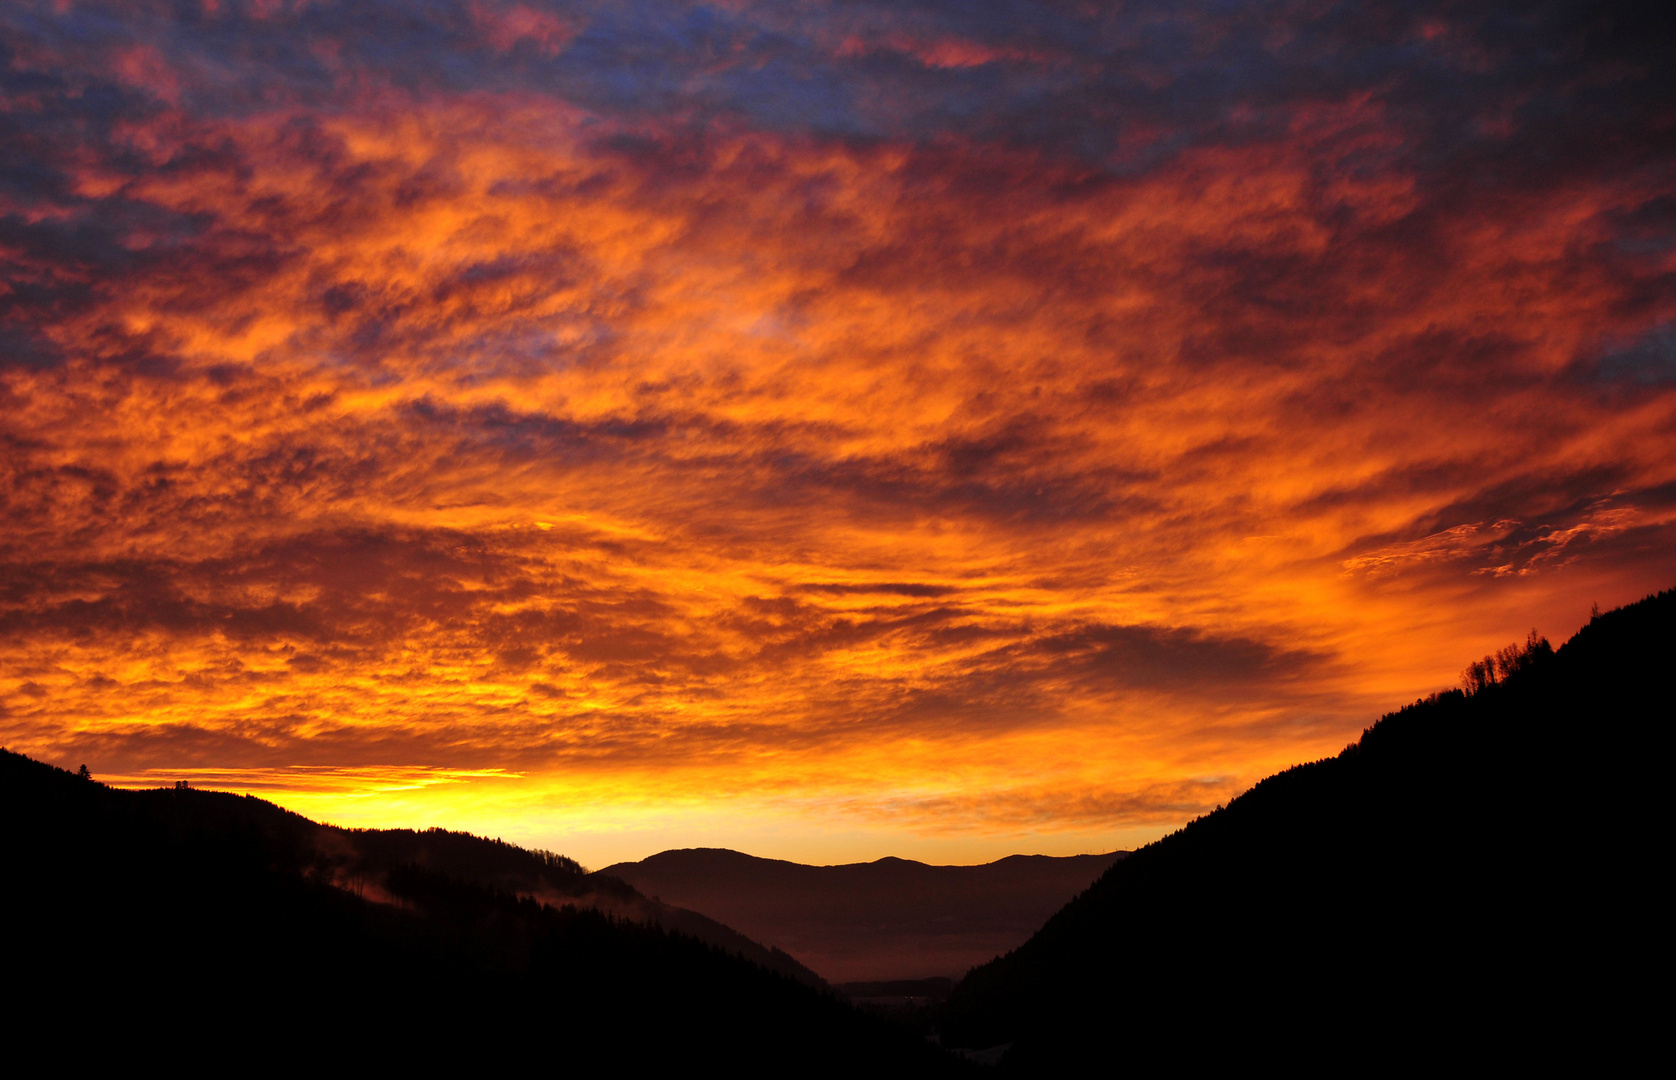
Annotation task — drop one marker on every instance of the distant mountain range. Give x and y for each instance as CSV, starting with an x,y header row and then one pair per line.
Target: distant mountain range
x,y
1471,884
887,920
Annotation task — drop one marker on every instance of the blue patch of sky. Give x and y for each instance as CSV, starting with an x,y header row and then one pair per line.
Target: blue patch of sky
x,y
1204,71
1649,360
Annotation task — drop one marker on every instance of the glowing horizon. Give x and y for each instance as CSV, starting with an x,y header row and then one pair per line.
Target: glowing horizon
x,y
828,431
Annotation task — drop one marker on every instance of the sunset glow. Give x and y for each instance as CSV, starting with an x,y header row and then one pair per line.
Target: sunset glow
x,y
823,430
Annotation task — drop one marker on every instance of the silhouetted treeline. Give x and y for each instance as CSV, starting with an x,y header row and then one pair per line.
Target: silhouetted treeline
x,y
1507,662
1471,882
214,931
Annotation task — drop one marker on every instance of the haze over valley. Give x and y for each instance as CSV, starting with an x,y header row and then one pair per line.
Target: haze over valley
x,y
893,919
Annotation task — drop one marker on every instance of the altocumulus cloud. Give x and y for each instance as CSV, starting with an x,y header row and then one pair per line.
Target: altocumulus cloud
x,y
1045,417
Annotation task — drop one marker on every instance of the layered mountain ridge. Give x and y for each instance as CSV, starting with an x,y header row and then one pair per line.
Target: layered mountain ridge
x,y
885,920
190,922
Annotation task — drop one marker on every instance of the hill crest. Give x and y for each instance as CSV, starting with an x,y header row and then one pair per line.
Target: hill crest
x,y
884,920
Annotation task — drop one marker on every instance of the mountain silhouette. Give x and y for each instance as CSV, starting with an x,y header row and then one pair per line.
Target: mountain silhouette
x,y
892,919
188,925
1471,882
359,856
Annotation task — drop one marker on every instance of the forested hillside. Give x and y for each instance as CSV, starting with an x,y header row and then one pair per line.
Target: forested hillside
x,y
201,925
1470,877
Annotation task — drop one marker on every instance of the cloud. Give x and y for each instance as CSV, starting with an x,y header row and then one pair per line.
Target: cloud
x,y
1175,657
1166,804
1649,360
848,398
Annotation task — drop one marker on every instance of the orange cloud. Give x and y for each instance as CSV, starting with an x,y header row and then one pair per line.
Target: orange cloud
x,y
931,495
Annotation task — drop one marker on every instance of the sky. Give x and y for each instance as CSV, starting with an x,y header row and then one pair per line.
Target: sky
x,y
824,429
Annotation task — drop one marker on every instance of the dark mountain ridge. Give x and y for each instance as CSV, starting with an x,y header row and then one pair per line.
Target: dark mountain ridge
x,y
359,856
1468,880
889,919
203,923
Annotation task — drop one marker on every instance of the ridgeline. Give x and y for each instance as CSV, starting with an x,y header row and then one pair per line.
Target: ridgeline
x,y
191,926
1471,880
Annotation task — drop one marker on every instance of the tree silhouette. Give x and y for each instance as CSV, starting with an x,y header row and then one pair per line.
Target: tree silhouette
x,y
1507,661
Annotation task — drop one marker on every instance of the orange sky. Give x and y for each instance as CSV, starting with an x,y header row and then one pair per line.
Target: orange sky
x,y
874,431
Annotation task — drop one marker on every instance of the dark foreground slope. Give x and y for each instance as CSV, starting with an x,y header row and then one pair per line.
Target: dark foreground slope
x,y
1474,877
883,920
360,860
210,927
